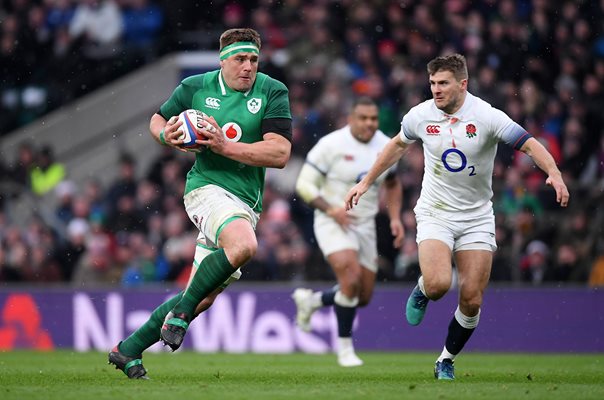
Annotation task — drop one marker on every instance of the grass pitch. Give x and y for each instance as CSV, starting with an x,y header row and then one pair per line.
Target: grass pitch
x,y
185,375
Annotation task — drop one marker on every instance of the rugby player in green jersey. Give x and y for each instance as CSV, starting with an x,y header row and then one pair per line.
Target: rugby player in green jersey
x,y
250,130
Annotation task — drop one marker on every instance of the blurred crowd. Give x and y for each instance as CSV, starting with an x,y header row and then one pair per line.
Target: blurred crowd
x,y
541,62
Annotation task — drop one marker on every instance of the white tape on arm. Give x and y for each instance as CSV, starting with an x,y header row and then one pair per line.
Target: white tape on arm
x,y
309,182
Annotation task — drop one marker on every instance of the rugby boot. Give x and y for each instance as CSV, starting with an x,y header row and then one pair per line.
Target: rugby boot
x,y
174,329
304,308
348,358
416,306
444,370
131,366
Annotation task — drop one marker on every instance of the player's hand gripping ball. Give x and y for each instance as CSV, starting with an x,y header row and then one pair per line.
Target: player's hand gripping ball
x,y
193,125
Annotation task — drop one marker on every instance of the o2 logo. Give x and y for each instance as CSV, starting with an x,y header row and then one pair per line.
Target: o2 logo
x,y
463,159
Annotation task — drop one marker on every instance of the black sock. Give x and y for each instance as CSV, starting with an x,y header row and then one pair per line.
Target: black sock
x,y
328,298
457,336
345,316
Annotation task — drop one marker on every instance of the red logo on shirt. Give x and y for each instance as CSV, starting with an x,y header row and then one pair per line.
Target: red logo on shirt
x,y
232,131
433,129
470,130
348,157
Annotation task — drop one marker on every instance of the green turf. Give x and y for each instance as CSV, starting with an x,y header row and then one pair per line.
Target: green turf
x,y
185,375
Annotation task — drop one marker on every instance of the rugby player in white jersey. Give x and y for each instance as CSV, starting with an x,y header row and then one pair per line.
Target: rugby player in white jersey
x,y
459,133
347,238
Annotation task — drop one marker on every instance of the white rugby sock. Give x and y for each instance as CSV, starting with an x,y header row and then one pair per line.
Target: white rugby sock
x,y
420,284
465,321
345,344
342,300
446,354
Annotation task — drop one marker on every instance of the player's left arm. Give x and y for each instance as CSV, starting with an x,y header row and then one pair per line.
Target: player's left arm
x,y
394,202
545,161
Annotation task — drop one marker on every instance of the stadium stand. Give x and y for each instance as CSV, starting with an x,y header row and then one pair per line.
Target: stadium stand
x,y
542,63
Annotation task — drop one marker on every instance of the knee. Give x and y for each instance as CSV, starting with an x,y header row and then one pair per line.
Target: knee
x,y
354,278
470,305
248,250
351,284
242,252
436,288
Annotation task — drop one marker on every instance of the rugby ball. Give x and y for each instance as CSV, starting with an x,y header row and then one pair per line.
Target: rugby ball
x,y
193,124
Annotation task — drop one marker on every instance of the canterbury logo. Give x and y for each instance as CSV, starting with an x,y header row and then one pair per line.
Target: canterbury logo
x,y
212,102
433,129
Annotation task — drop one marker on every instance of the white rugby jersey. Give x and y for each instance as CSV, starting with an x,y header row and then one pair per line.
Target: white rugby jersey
x,y
344,161
459,153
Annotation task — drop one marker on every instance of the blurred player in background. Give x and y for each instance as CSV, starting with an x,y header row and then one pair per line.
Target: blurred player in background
x,y
454,213
347,238
250,130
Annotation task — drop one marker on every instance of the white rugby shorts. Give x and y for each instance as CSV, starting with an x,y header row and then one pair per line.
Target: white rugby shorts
x,y
331,237
211,208
476,233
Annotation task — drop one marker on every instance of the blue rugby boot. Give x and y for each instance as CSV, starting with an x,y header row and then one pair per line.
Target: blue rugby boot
x,y
416,306
444,370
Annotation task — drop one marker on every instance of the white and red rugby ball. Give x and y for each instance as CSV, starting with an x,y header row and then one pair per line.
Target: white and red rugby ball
x,y
193,124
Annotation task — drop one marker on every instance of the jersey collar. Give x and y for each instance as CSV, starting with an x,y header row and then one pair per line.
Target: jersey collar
x,y
224,86
463,111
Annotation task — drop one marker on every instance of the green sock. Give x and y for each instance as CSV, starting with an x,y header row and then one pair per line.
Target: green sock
x,y
211,273
148,334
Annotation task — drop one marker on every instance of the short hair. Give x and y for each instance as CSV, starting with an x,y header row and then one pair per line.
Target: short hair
x,y
363,101
455,63
239,35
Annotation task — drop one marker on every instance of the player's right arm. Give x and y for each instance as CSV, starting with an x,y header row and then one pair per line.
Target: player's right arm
x,y
166,118
159,127
392,152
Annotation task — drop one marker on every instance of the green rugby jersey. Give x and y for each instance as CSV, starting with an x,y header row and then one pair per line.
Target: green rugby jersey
x,y
240,115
